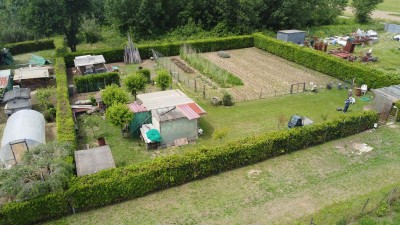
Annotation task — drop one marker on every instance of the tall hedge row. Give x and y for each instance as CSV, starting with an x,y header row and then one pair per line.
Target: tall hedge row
x,y
119,184
95,82
30,46
169,49
324,63
115,185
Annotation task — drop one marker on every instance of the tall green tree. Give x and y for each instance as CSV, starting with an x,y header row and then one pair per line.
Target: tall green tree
x,y
135,82
47,17
363,9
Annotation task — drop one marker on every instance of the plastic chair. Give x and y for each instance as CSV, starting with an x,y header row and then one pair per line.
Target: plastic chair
x,y
364,89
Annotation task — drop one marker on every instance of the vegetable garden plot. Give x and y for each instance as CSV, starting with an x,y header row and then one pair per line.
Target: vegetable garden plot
x,y
264,74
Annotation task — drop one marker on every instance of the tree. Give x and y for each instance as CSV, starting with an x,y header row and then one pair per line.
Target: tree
x,y
363,9
42,170
57,16
114,94
135,82
119,115
163,79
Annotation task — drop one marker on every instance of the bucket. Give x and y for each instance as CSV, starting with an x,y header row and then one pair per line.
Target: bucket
x,y
101,141
358,91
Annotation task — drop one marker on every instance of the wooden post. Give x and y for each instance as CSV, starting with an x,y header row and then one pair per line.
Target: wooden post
x,y
291,89
195,85
365,205
304,86
204,91
261,93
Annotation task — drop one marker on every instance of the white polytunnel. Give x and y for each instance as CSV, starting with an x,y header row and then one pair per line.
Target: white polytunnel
x,y
24,130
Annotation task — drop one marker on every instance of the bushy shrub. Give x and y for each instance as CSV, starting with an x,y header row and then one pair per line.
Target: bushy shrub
x,y
227,99
163,79
145,73
113,94
90,32
95,82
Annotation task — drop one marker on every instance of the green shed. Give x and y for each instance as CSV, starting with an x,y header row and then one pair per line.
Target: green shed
x,y
142,116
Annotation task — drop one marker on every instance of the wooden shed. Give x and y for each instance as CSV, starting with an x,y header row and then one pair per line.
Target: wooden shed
x,y
385,100
294,36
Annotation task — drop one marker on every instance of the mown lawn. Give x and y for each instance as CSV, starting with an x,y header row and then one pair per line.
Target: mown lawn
x,y
387,5
241,120
285,190
23,59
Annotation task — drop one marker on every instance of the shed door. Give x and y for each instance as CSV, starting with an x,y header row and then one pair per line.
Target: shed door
x,y
18,150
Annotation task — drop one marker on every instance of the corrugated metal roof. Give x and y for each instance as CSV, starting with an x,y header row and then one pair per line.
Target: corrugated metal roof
x,y
22,125
136,107
163,99
18,104
88,60
197,108
4,76
93,160
168,114
31,73
17,93
392,92
188,112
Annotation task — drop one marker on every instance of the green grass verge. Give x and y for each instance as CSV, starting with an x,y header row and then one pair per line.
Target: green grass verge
x,y
278,191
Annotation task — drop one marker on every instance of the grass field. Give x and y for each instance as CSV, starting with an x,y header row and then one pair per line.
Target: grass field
x,y
284,190
23,59
242,120
387,5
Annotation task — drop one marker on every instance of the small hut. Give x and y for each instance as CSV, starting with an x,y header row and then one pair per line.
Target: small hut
x,y
385,100
88,64
24,130
294,36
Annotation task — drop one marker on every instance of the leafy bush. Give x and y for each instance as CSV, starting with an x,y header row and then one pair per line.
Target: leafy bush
x,y
30,46
145,73
227,99
169,49
113,94
324,63
90,31
95,82
135,82
163,79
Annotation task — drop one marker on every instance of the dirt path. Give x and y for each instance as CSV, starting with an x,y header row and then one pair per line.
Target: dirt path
x,y
278,191
378,14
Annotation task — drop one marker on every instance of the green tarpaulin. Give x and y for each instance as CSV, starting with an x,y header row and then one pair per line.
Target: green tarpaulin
x,y
37,60
6,57
153,135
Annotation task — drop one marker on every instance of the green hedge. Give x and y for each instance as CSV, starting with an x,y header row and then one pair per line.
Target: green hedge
x,y
115,185
35,210
30,46
169,49
324,63
95,82
64,118
133,181
398,116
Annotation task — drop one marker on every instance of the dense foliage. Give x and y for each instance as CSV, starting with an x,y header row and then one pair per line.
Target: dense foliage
x,y
148,19
113,94
363,9
136,82
41,171
119,114
95,82
163,79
